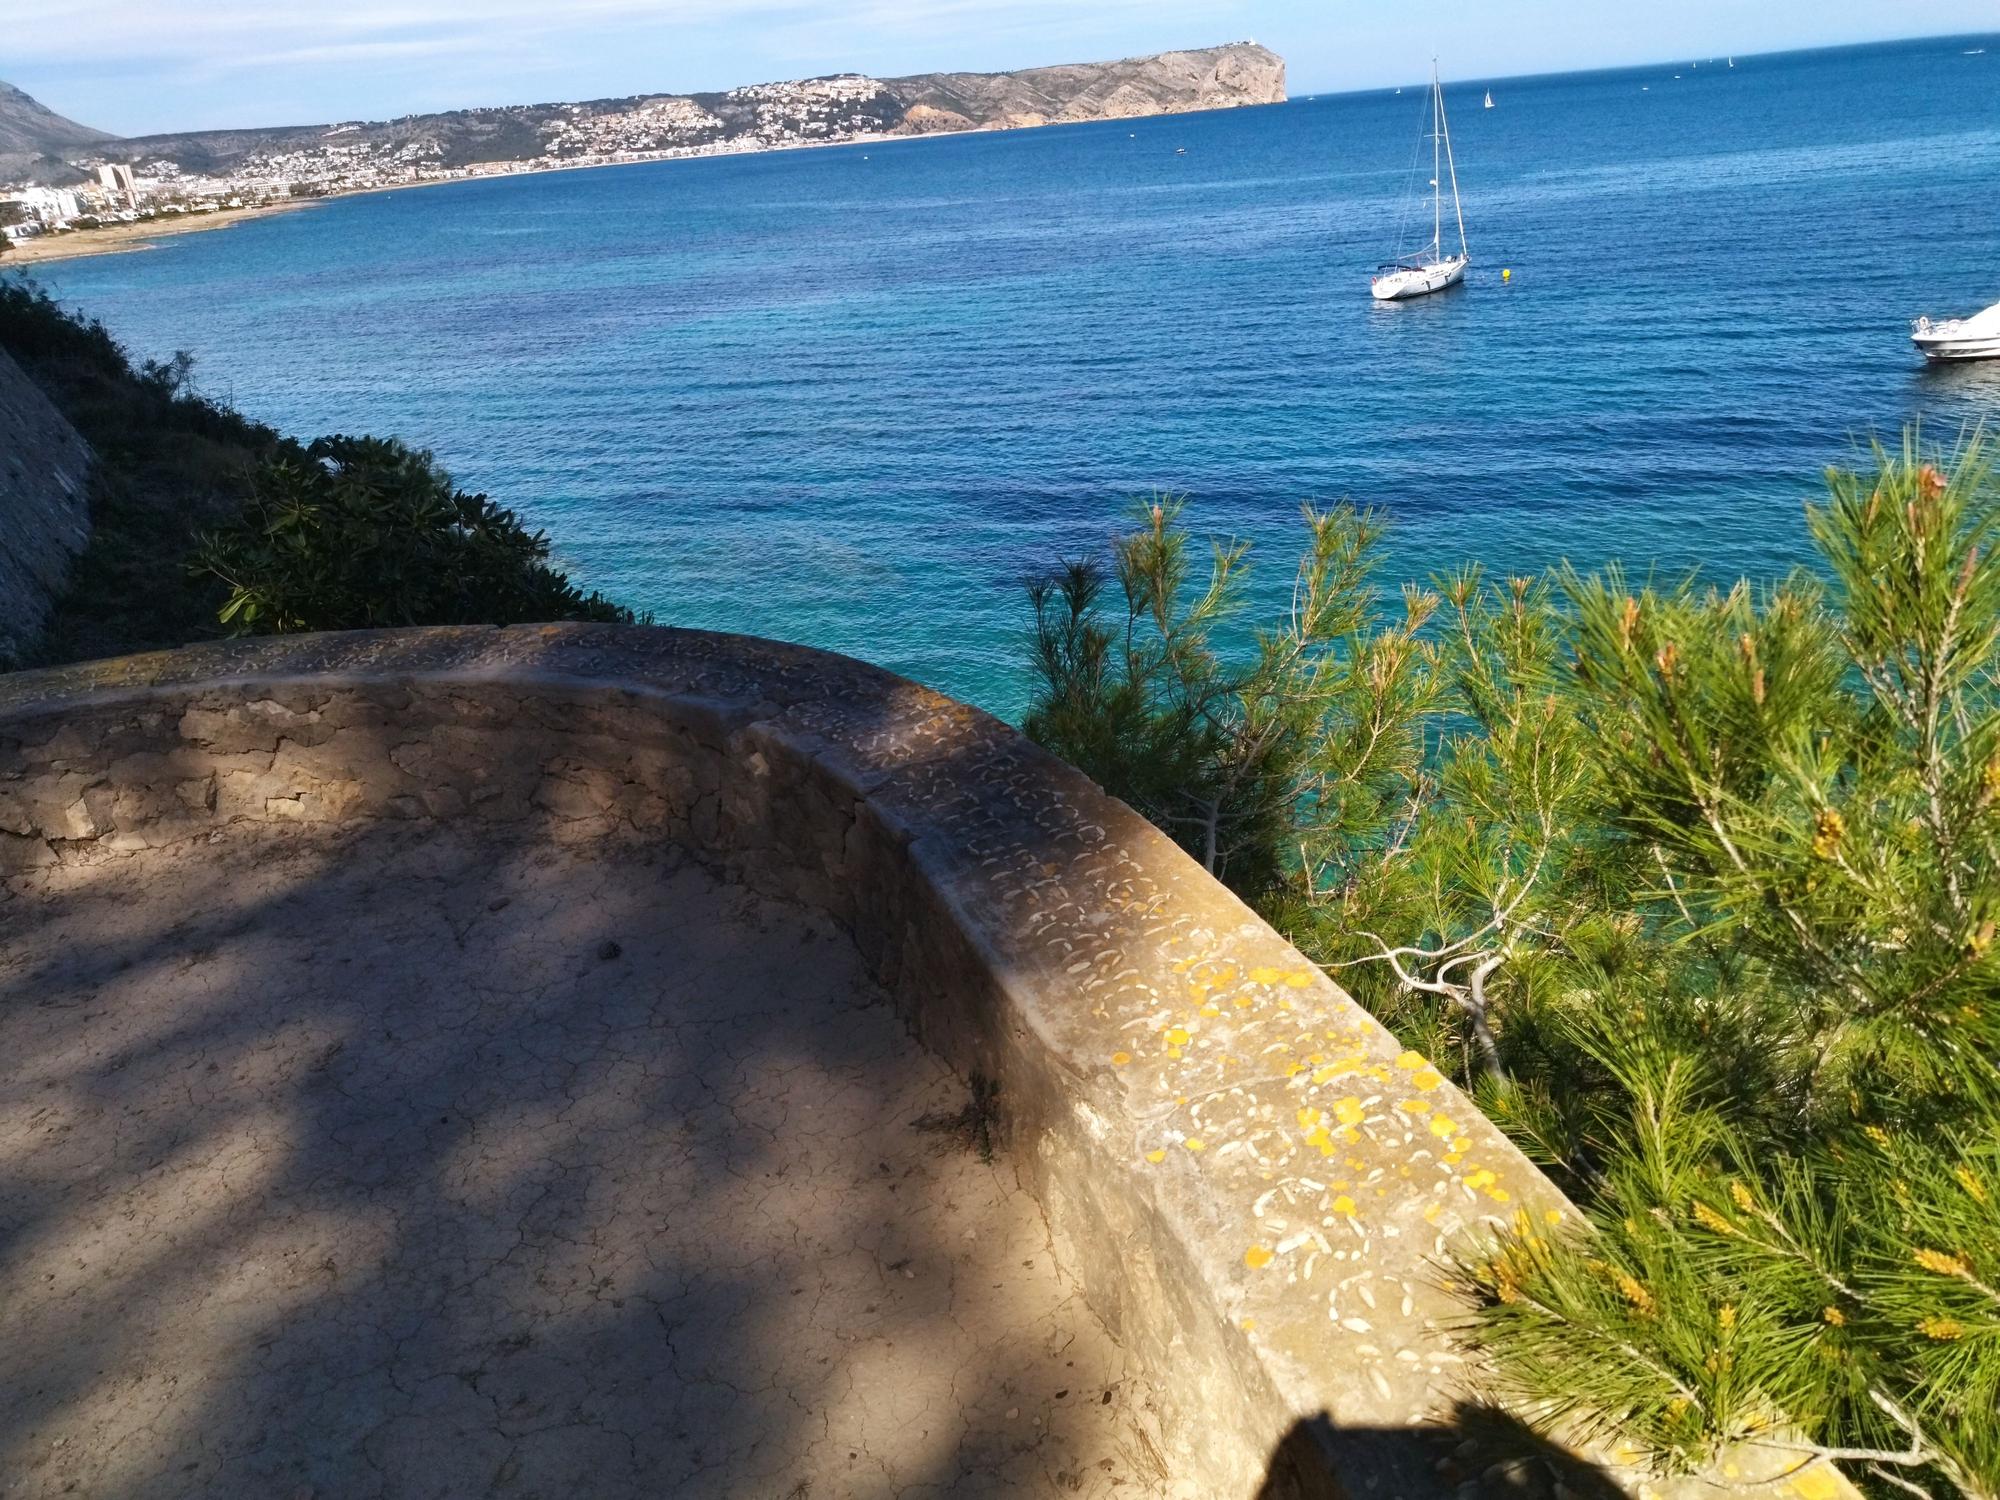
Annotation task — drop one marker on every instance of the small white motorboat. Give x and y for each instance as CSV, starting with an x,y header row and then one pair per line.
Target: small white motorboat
x,y
1976,337
1430,269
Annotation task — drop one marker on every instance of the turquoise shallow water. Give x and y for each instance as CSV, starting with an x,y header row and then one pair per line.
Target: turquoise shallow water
x,y
850,396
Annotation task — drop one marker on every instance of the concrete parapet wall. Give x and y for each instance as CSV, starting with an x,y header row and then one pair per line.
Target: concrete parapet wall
x,y
44,507
1247,1174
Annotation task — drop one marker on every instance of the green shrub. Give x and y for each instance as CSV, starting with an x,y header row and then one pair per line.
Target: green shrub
x,y
205,522
1696,890
357,532
170,463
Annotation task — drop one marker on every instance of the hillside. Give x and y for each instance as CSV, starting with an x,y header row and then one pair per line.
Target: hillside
x,y
35,141
817,110
1169,83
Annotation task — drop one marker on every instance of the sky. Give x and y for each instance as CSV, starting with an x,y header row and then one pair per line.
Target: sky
x,y
142,66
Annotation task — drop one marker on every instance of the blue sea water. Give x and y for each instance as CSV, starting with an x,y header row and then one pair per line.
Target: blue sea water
x,y
850,396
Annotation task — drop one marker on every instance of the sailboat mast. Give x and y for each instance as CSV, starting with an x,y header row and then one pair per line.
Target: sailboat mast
x,y
1437,189
1458,208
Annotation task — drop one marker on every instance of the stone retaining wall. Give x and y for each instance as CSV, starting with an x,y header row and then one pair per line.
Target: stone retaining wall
x,y
44,507
1248,1175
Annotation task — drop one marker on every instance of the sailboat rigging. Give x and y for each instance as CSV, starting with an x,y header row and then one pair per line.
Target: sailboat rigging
x,y
1430,269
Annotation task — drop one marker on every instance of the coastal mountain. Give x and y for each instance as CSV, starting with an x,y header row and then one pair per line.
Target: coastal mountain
x,y
35,139
809,111
1168,83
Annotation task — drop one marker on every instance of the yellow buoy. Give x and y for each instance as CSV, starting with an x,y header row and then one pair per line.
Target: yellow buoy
x,y
1506,273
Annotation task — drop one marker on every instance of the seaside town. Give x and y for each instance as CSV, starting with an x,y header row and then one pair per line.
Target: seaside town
x,y
356,157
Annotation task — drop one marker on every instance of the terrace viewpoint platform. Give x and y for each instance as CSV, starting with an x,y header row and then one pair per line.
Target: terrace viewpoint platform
x,y
419,1163
589,1170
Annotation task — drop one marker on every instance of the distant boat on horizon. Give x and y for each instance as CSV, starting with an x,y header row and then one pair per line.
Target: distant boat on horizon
x,y
1489,98
1430,269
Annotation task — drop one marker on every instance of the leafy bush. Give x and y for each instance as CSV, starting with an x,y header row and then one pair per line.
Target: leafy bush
x,y
35,330
198,512
1695,889
170,463
357,532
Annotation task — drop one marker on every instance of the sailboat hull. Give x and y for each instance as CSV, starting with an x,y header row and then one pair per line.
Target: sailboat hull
x,y
1418,281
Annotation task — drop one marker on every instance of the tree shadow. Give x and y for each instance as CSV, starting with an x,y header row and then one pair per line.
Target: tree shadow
x,y
565,1172
1474,1450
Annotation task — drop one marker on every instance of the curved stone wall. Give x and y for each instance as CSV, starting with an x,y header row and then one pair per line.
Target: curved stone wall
x,y
1250,1178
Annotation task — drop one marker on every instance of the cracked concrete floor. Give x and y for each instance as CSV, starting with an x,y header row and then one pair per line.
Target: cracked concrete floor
x,y
414,1164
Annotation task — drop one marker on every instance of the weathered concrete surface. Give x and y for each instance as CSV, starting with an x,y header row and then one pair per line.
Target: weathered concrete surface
x,y
44,507
394,1164
1250,1180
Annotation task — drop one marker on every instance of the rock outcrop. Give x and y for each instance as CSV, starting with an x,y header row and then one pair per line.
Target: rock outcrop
x,y
44,507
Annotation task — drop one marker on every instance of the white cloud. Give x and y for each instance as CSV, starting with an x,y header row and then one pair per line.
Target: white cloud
x,y
222,33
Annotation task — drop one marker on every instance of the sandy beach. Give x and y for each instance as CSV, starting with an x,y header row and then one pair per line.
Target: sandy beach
x,y
114,239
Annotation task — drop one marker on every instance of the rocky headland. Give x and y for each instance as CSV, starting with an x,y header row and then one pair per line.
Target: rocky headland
x,y
356,154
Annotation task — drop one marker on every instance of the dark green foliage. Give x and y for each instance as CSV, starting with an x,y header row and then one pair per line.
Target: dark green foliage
x,y
179,474
170,462
1697,890
357,533
1796,1207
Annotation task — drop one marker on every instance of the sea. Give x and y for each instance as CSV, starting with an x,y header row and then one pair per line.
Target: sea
x,y
855,396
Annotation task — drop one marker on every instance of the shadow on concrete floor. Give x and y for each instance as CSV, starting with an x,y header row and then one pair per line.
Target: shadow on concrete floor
x,y
418,1163
1475,1451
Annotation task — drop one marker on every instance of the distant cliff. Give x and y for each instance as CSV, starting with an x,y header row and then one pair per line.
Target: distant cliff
x,y
1168,84
758,116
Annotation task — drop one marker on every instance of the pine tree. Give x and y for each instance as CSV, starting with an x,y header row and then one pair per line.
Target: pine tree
x,y
1696,888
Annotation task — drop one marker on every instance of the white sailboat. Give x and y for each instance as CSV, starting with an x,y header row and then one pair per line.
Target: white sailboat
x,y
1489,98
1430,269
